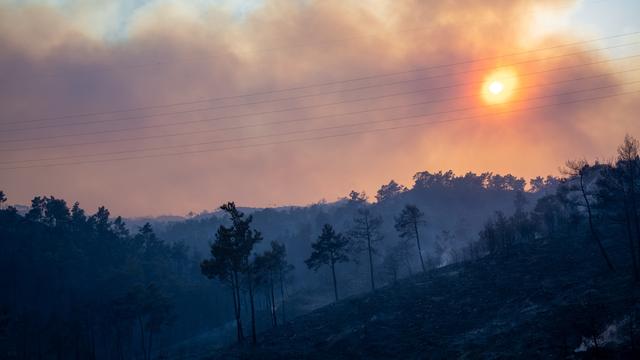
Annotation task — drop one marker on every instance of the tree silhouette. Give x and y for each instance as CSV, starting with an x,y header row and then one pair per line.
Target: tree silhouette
x,y
100,221
271,268
366,231
616,196
120,228
392,261
36,212
579,170
500,232
357,198
389,191
150,309
408,224
330,248
264,278
72,272
628,163
252,281
548,214
282,268
230,256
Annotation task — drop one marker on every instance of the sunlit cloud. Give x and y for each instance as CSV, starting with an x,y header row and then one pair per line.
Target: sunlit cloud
x,y
98,56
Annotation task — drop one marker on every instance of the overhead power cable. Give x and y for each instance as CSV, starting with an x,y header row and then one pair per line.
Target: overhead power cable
x,y
335,82
304,119
345,126
310,138
258,113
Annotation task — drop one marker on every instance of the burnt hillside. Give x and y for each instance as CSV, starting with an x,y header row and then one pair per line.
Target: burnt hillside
x,y
536,300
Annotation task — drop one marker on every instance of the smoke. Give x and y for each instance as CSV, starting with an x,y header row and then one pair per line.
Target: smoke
x,y
105,55
611,335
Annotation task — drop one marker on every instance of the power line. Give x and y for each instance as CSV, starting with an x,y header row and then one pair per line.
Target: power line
x,y
309,138
260,113
340,126
308,86
306,119
318,94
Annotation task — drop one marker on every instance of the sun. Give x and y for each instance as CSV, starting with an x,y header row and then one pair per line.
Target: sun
x,y
496,87
499,86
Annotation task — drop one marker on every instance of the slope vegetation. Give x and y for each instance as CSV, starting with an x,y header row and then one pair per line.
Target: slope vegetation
x,y
543,300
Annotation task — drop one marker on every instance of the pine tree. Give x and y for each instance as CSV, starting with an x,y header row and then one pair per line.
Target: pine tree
x,y
366,231
330,249
408,225
230,256
579,171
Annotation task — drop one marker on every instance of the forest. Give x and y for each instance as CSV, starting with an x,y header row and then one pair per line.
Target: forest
x,y
84,285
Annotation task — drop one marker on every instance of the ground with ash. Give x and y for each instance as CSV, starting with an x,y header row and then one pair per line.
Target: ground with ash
x,y
542,301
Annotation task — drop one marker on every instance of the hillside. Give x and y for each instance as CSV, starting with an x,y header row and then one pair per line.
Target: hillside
x,y
458,205
539,301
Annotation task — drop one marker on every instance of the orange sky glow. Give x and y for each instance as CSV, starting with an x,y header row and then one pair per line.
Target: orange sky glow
x,y
292,102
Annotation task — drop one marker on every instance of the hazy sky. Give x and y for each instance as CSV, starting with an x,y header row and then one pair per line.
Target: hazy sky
x,y
142,106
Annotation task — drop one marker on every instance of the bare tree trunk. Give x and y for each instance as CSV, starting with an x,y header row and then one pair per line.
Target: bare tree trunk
x,y
631,242
415,228
144,347
274,315
150,342
592,228
632,320
93,342
373,285
236,304
77,348
254,338
409,267
634,209
119,345
335,283
395,274
284,313
265,304
596,348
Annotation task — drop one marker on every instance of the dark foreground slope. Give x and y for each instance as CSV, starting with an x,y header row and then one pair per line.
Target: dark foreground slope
x,y
535,302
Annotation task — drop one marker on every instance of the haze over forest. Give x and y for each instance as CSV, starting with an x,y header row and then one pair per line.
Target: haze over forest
x,y
319,179
64,60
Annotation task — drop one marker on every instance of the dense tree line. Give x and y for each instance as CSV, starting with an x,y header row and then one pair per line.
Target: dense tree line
x,y
590,207
82,286
74,278
234,263
599,202
85,280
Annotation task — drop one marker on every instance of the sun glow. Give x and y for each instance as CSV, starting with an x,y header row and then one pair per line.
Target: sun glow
x,y
499,86
496,87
